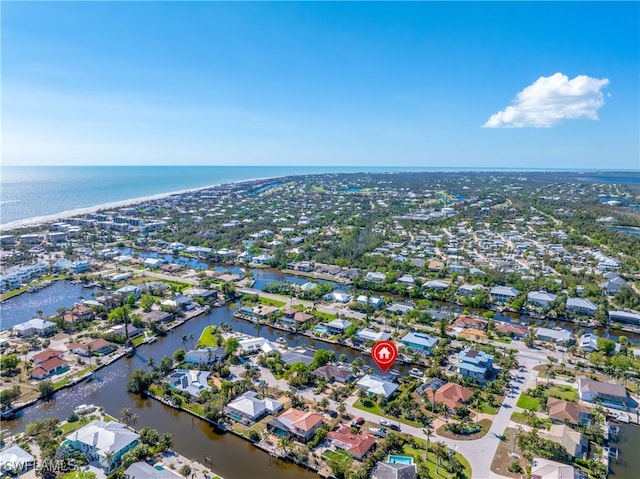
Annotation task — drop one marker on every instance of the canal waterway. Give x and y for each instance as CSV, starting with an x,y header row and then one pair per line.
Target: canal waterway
x,y
224,453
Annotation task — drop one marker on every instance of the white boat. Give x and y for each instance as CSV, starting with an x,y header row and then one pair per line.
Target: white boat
x,y
623,418
416,373
281,340
85,409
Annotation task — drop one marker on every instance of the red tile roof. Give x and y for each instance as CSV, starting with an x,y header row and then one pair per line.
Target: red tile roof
x,y
359,444
451,394
47,354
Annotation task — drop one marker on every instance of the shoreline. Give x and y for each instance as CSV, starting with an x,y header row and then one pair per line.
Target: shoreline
x,y
39,220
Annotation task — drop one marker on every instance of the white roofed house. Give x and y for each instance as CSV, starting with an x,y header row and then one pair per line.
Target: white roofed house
x,y
192,381
103,441
541,298
436,285
502,294
16,460
37,326
205,356
367,334
556,335
247,408
469,289
375,277
375,385
581,306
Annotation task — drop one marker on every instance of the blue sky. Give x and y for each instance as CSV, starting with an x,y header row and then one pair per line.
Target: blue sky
x,y
413,84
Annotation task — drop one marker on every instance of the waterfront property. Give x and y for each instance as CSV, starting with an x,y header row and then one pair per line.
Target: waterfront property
x,y
502,294
610,394
49,367
103,441
475,364
419,341
581,306
247,408
205,356
296,425
625,317
546,469
557,335
542,299
561,411
142,470
575,443
297,356
36,326
338,326
368,334
357,444
256,345
190,380
375,385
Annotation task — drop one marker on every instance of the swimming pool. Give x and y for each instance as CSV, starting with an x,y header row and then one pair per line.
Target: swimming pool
x,y
321,329
400,459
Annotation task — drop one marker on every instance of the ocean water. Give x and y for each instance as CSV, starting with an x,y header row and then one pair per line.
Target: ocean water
x,y
31,192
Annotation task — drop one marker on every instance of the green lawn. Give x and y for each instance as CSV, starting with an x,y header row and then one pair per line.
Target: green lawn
x,y
375,409
487,408
501,339
528,402
208,338
324,316
407,450
271,302
69,427
563,392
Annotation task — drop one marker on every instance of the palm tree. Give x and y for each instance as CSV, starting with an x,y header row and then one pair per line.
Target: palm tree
x,y
166,441
108,456
550,362
428,432
151,362
126,415
341,409
440,450
184,339
134,420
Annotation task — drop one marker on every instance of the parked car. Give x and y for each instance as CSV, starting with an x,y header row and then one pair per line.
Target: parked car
x,y
357,421
332,413
395,427
384,422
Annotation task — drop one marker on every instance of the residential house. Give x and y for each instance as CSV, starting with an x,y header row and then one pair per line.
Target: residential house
x,y
394,470
126,330
375,277
247,408
625,317
296,425
142,470
542,299
610,394
49,367
205,356
46,355
588,342
374,301
469,289
406,279
400,308
103,441
581,306
561,411
502,294
469,322
368,334
419,341
555,335
338,297
157,316
190,380
297,356
338,326
613,284
546,469
436,285
435,266
208,295
36,326
256,345
295,318
15,460
331,372
513,330
357,444
375,385
475,364
128,289
576,444
451,395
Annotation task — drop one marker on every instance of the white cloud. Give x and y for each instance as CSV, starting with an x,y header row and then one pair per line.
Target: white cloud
x,y
550,100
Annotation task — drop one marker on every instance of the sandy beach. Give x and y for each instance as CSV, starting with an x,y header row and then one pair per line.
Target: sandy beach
x,y
39,220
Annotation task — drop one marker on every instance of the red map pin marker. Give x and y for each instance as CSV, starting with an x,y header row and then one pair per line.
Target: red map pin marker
x,y
384,354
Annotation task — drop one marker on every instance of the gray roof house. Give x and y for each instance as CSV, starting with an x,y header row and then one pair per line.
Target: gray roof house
x,y
553,335
501,294
375,385
16,460
610,394
541,298
247,408
38,326
625,317
142,470
190,380
419,341
338,326
208,355
469,289
581,306
99,439
389,470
